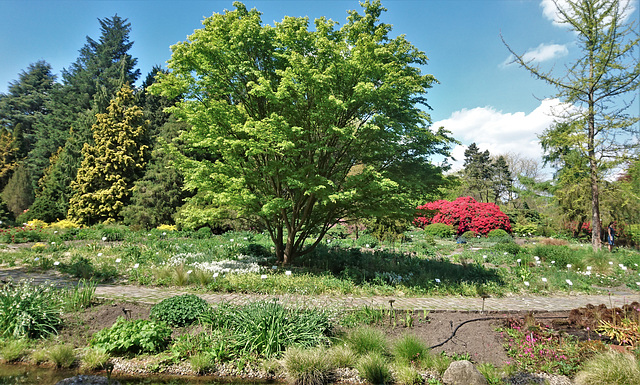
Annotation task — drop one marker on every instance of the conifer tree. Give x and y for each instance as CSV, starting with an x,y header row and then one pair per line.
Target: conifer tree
x,y
17,193
110,166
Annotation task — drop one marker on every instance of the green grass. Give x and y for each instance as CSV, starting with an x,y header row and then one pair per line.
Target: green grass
x,y
366,339
308,367
610,368
374,368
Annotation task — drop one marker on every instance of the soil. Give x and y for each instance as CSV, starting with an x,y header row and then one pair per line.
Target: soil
x,y
477,339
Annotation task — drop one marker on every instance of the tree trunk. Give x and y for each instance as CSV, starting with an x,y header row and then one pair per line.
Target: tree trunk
x,y
593,168
279,245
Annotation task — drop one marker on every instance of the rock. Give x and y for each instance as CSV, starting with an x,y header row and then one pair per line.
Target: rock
x,y
87,380
463,373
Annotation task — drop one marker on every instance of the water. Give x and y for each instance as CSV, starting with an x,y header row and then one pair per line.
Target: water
x,y
33,375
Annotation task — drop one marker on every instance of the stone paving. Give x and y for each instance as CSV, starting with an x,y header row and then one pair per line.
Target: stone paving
x,y
439,303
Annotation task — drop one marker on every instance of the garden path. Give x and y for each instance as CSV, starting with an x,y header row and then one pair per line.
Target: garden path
x,y
556,302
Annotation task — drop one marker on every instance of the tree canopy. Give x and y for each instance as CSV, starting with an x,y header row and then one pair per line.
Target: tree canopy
x,y
295,128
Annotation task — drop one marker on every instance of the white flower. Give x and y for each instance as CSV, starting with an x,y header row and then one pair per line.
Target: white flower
x,y
190,271
569,282
588,272
505,253
624,268
518,260
544,279
56,263
288,272
231,240
526,283
215,275
588,267
536,258
552,262
55,232
53,243
437,280
36,259
538,262
245,238
148,235
104,239
568,266
164,233
484,256
99,254
263,276
367,245
611,263
638,283
118,260
136,265
533,243
620,265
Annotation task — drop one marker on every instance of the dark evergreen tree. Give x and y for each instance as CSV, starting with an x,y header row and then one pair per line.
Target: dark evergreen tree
x,y
502,181
158,195
25,103
17,193
477,173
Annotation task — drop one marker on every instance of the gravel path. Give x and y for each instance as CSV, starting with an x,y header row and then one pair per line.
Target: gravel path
x,y
439,303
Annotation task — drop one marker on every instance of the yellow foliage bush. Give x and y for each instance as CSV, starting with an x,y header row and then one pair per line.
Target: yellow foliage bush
x,y
37,223
39,246
64,224
167,227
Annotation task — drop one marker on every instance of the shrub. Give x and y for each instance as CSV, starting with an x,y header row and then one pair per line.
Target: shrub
x,y
562,255
133,337
439,230
470,234
308,367
497,233
374,368
164,227
36,224
62,356
180,310
366,340
610,368
64,224
507,245
409,349
466,213
28,310
523,229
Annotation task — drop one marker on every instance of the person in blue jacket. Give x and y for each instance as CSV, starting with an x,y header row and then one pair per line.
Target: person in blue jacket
x,y
610,235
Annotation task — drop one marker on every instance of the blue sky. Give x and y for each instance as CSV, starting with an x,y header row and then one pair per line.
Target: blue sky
x,y
479,98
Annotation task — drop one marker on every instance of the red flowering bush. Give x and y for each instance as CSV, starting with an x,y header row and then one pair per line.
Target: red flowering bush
x,y
465,214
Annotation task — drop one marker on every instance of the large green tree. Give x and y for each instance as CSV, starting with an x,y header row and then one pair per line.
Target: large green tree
x,y
297,127
110,166
596,84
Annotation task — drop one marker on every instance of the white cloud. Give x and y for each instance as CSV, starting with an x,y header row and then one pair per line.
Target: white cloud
x,y
550,10
500,132
539,54
545,52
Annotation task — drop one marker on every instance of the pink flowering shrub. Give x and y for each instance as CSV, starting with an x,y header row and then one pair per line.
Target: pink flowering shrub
x,y
465,214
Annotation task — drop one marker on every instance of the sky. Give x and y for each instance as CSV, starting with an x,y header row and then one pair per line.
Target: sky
x,y
480,97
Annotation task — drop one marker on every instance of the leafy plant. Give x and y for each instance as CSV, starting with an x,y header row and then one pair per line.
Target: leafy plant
x,y
133,337
28,310
624,331
465,214
179,310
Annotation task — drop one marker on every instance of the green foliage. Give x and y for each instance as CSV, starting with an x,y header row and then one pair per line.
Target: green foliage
x,y
374,368
202,363
611,367
28,310
409,349
362,316
507,245
308,367
440,230
113,233
80,296
12,350
133,337
62,356
524,229
366,339
84,268
497,233
18,193
104,182
356,112
94,359
267,328
180,310
562,255
407,375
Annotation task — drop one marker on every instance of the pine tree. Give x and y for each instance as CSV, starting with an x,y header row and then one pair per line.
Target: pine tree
x,y
477,172
17,193
502,184
110,166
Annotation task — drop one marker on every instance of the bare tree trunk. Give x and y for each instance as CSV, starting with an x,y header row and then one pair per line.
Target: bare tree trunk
x,y
593,168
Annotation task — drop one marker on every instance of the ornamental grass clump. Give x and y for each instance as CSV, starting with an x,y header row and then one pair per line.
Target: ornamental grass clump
x,y
308,366
374,368
611,368
14,350
409,350
62,356
365,339
180,310
29,311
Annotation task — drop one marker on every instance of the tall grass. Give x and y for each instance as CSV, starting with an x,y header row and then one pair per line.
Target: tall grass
x,y
609,368
366,339
374,368
308,367
28,310
80,296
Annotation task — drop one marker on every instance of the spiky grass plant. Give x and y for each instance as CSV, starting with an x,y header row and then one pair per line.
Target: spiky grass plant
x,y
28,310
343,356
610,368
491,373
409,349
94,359
14,350
308,367
366,339
407,375
62,356
374,368
202,363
